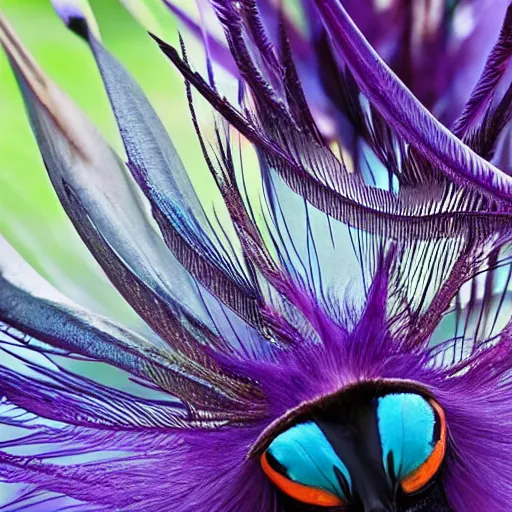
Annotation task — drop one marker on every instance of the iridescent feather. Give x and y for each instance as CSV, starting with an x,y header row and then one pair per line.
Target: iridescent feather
x,y
377,230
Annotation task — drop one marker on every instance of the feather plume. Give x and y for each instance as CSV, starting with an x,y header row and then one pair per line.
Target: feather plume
x,y
358,249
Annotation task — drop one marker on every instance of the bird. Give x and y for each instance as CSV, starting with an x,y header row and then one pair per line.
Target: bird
x,y
339,337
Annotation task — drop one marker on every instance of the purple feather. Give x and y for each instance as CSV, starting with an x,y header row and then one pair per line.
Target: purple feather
x,y
383,261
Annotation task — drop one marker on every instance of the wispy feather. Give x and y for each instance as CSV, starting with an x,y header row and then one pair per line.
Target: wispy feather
x,y
366,289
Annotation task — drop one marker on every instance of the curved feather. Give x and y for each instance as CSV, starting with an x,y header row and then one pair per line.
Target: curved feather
x,y
494,70
32,307
406,115
412,216
104,205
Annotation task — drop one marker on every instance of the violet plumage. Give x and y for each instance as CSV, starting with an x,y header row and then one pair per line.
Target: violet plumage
x,y
360,313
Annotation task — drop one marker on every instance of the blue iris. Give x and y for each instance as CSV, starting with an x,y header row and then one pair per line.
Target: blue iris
x,y
309,458
406,427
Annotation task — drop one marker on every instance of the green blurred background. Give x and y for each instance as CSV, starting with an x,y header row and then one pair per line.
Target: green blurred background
x,y
31,218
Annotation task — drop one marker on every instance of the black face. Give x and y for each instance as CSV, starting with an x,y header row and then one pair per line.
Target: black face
x,y
378,447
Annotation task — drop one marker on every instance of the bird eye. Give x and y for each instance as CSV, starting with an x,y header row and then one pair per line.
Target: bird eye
x,y
413,437
297,491
302,464
424,473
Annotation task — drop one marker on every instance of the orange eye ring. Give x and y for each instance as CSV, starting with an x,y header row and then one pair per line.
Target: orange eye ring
x,y
299,492
422,475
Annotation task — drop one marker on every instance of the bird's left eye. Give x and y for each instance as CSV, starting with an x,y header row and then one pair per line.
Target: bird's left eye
x,y
413,436
301,463
298,491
